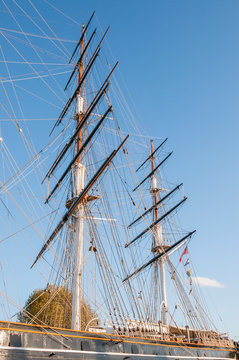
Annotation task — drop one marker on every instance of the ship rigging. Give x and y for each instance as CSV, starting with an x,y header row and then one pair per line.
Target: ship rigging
x,y
112,245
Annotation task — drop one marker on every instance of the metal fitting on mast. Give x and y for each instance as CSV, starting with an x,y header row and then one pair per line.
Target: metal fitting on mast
x,y
154,184
79,105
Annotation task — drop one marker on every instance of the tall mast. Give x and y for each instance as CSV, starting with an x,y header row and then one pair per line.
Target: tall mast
x,y
157,245
78,186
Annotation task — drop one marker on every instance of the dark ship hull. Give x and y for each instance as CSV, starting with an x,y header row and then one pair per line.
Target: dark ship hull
x,y
21,342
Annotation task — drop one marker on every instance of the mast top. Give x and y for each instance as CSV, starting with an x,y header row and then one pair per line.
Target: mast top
x,y
81,38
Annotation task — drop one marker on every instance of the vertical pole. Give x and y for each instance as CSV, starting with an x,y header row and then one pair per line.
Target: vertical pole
x,y
157,243
79,181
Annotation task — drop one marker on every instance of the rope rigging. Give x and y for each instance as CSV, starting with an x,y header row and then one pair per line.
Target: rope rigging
x,y
112,196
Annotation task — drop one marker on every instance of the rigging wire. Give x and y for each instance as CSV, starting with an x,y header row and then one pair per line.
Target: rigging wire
x,y
116,302
38,36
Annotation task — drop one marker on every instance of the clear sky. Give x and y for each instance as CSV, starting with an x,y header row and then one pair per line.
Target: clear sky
x,y
180,62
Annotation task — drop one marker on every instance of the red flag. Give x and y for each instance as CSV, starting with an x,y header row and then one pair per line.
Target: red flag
x,y
184,253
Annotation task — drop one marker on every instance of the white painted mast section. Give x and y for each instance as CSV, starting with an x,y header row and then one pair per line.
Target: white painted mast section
x,y
79,182
157,244
164,305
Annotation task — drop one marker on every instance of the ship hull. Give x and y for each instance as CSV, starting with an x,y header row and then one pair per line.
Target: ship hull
x,y
24,342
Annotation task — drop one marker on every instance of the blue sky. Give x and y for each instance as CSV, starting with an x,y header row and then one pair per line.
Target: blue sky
x,y
179,60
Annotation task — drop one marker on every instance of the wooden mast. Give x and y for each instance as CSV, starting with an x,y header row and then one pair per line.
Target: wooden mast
x,y
154,192
79,92
154,240
78,186
157,247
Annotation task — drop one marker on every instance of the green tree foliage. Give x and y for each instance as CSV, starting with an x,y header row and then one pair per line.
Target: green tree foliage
x,y
52,306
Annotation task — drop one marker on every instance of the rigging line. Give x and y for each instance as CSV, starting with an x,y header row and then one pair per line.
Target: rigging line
x,y
108,277
120,252
78,153
104,281
34,22
133,134
28,74
63,251
29,202
35,63
5,287
40,76
80,198
26,227
80,61
20,178
69,273
16,96
180,242
84,29
121,99
35,299
151,155
198,303
15,124
158,202
83,77
59,316
38,36
30,152
43,325
117,302
23,175
18,206
200,297
38,97
31,43
70,100
8,211
132,295
39,119
153,171
13,87
92,105
99,303
132,118
132,173
123,106
146,295
24,249
142,283
45,22
61,12
114,234
98,116
103,292
18,14
32,46
123,182
61,243
30,161
42,308
185,301
18,125
38,48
